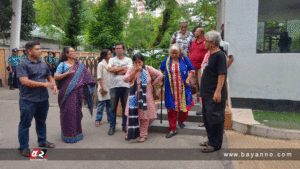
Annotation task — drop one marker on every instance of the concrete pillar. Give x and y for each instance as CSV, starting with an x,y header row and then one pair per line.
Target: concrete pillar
x,y
15,24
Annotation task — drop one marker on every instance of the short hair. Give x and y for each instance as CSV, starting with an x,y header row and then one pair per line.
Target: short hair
x,y
121,44
31,44
201,30
183,22
213,36
176,46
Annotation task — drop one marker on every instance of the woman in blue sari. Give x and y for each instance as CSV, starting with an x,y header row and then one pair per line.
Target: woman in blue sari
x,y
75,83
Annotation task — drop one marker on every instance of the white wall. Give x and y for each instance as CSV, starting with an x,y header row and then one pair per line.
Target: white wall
x,y
265,76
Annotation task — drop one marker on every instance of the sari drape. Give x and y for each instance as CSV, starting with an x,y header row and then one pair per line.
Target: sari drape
x,y
75,88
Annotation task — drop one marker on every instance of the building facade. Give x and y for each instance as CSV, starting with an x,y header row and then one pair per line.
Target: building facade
x,y
264,36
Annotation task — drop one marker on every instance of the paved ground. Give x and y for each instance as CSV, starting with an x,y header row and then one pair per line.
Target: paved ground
x,y
98,138
239,140
95,137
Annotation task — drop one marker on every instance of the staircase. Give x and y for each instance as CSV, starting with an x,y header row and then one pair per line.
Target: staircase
x,y
191,124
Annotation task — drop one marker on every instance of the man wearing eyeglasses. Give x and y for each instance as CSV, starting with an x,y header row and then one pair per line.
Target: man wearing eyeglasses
x,y
118,66
183,37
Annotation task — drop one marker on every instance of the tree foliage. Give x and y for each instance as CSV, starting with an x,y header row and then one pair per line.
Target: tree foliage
x,y
107,28
73,24
141,31
52,15
202,13
170,6
27,19
6,13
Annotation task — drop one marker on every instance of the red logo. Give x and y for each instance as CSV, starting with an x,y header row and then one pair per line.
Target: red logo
x,y
38,155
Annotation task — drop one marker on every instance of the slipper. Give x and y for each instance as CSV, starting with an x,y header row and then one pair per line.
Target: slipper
x,y
209,149
169,135
201,125
47,144
141,139
204,144
25,152
97,124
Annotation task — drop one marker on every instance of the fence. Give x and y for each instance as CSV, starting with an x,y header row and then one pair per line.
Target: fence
x,y
91,64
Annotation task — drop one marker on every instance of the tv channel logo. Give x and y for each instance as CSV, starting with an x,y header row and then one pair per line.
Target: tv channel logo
x,y
38,155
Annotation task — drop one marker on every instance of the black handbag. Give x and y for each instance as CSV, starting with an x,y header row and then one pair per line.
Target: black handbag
x,y
58,82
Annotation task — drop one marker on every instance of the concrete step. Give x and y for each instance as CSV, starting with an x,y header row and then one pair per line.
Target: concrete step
x,y
192,117
191,128
196,107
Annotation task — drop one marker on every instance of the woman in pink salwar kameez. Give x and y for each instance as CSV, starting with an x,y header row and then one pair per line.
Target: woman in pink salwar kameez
x,y
140,108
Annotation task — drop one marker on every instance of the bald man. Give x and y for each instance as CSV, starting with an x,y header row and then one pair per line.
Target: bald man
x,y
197,53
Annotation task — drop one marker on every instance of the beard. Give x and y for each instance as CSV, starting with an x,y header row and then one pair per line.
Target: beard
x,y
182,31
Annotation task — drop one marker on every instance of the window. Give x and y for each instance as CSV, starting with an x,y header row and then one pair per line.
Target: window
x,y
278,29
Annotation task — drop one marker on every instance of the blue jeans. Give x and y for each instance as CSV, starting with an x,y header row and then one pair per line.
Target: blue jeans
x,y
28,110
115,95
100,108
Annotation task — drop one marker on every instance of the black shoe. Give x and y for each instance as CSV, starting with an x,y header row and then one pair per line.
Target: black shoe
x,y
111,131
198,113
181,125
169,135
124,128
25,152
11,88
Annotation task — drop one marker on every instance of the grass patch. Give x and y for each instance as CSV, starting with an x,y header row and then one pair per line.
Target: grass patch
x,y
278,120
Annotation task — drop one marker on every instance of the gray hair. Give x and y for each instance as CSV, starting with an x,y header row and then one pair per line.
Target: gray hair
x,y
213,36
176,46
183,22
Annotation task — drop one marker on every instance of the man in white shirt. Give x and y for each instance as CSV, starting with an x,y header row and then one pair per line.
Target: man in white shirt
x,y
118,66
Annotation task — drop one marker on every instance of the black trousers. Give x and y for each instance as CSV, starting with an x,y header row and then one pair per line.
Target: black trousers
x,y
213,117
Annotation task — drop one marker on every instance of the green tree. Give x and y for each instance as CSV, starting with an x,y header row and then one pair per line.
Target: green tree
x,y
73,26
27,19
52,15
106,29
6,13
170,6
141,31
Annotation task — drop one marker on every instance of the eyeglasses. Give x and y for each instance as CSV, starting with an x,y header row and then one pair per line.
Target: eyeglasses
x,y
119,48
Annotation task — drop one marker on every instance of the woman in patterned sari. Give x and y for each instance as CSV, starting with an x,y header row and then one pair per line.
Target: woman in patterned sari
x,y
178,96
75,83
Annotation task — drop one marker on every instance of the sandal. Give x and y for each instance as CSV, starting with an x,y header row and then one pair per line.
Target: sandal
x,y
201,125
171,133
141,139
97,124
47,144
204,144
25,152
126,137
209,149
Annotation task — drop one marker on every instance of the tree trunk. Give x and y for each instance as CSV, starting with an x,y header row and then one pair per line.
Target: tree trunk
x,y
170,4
111,3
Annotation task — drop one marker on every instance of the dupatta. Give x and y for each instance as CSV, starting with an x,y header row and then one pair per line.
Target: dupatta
x,y
82,78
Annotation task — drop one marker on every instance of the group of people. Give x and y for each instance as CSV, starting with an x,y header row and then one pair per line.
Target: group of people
x,y
15,59
191,62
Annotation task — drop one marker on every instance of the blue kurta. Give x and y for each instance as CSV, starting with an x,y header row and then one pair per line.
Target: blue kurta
x,y
185,65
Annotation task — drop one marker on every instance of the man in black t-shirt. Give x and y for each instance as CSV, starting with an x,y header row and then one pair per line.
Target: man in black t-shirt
x,y
214,92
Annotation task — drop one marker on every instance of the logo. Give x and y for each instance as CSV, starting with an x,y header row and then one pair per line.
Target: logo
x,y
38,155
